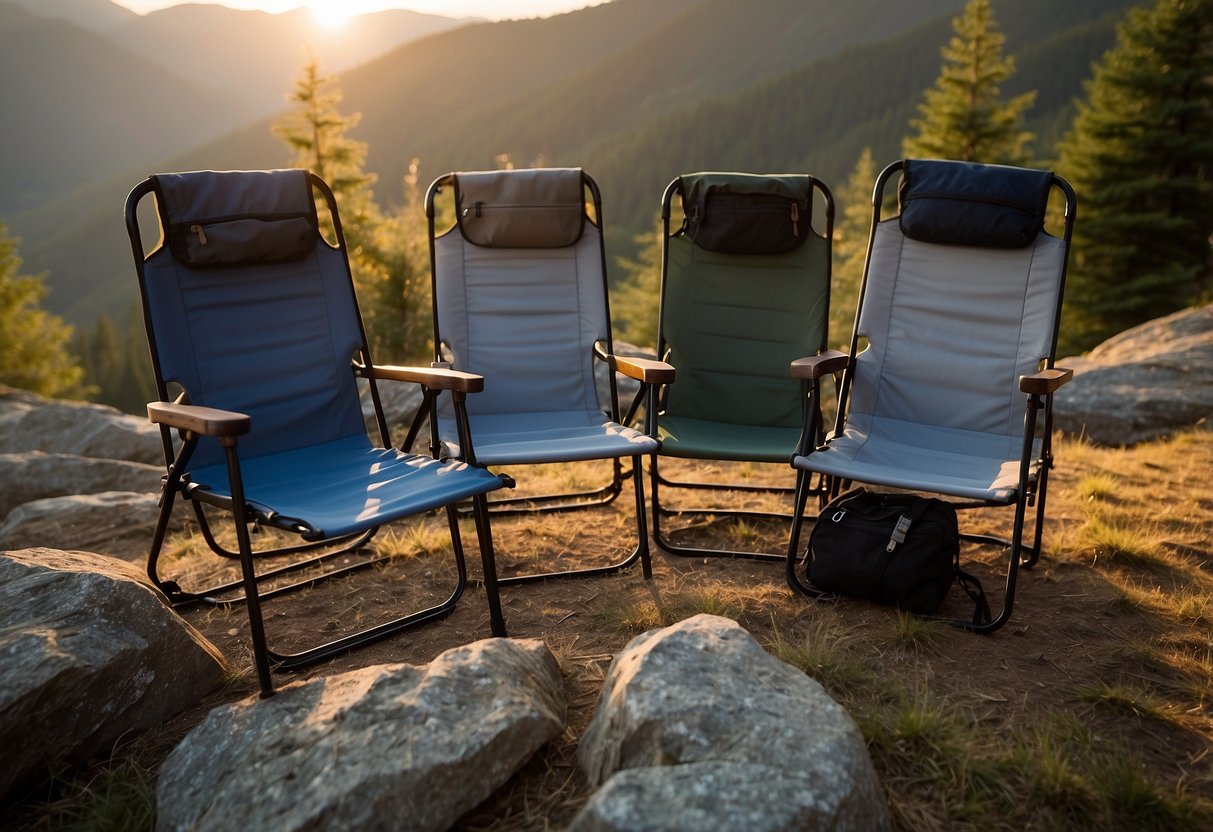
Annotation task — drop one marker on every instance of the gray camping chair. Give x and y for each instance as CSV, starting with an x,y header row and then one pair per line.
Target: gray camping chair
x,y
960,306
520,297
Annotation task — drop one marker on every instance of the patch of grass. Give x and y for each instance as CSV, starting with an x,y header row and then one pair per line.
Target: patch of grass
x,y
1098,486
1124,698
828,653
1137,801
415,539
1119,543
120,798
913,632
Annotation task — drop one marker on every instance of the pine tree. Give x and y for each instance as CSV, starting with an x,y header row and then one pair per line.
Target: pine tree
x,y
636,299
1140,158
851,248
384,250
962,115
34,344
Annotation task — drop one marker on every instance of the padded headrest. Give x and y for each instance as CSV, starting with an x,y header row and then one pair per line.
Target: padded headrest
x,y
967,204
745,213
535,208
217,219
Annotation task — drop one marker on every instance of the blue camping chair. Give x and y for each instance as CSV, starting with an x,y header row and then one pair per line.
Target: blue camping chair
x,y
252,315
952,394
520,295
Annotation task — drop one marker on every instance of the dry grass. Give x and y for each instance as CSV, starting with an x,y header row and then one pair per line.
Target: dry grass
x,y
1091,709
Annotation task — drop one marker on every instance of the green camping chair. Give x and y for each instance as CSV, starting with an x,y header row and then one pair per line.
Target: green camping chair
x,y
745,289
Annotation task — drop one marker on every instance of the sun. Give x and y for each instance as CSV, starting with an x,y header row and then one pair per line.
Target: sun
x,y
331,13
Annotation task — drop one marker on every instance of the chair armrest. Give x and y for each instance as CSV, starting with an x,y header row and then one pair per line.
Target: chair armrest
x,y
436,378
1044,382
816,366
647,370
207,421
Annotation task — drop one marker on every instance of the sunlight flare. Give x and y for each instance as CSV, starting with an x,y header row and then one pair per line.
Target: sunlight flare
x,y
331,13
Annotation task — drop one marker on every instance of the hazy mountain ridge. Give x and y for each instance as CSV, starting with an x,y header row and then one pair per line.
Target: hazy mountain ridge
x,y
624,90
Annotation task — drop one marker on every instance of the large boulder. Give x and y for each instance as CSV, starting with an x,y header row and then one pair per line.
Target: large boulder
x,y
118,523
699,728
90,653
34,475
1142,384
391,747
29,422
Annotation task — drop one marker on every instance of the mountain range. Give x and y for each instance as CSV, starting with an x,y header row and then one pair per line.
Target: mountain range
x,y
634,91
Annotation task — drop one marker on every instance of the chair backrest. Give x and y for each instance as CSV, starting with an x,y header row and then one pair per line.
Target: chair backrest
x,y
745,290
520,292
249,309
961,296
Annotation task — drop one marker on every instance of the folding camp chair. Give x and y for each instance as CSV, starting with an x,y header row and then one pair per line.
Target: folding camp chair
x,y
959,305
252,314
520,294
745,290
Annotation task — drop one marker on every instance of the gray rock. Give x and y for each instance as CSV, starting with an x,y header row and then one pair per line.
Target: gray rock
x,y
34,475
29,422
400,402
1142,384
89,653
388,747
701,723
117,523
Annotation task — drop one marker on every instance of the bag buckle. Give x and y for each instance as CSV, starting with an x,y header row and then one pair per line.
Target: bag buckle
x,y
899,532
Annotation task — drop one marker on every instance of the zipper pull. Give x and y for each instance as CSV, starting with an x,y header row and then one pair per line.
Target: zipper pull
x,y
837,516
899,533
795,220
197,229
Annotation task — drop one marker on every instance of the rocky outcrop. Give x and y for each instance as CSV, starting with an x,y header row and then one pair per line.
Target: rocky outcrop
x,y
90,653
391,747
29,422
1142,384
34,475
118,523
699,728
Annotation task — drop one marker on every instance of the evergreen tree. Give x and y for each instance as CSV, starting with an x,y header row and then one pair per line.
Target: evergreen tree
x,y
384,254
635,300
34,344
851,248
1140,158
962,115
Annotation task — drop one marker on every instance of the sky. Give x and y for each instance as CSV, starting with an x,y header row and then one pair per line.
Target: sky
x,y
336,9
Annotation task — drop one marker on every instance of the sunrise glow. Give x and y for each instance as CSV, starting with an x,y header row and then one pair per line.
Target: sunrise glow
x,y
331,13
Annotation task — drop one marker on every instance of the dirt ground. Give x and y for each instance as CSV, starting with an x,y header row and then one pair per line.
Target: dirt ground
x,y
1083,621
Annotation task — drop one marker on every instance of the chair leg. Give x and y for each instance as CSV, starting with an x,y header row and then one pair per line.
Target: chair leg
x,y
640,552
799,502
252,602
484,536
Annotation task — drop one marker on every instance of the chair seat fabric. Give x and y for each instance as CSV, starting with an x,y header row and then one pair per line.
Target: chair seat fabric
x,y
705,439
958,463
548,436
347,486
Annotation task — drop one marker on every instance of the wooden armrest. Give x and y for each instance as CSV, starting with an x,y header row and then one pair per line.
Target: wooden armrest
x,y
647,370
208,421
1044,382
816,366
437,378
